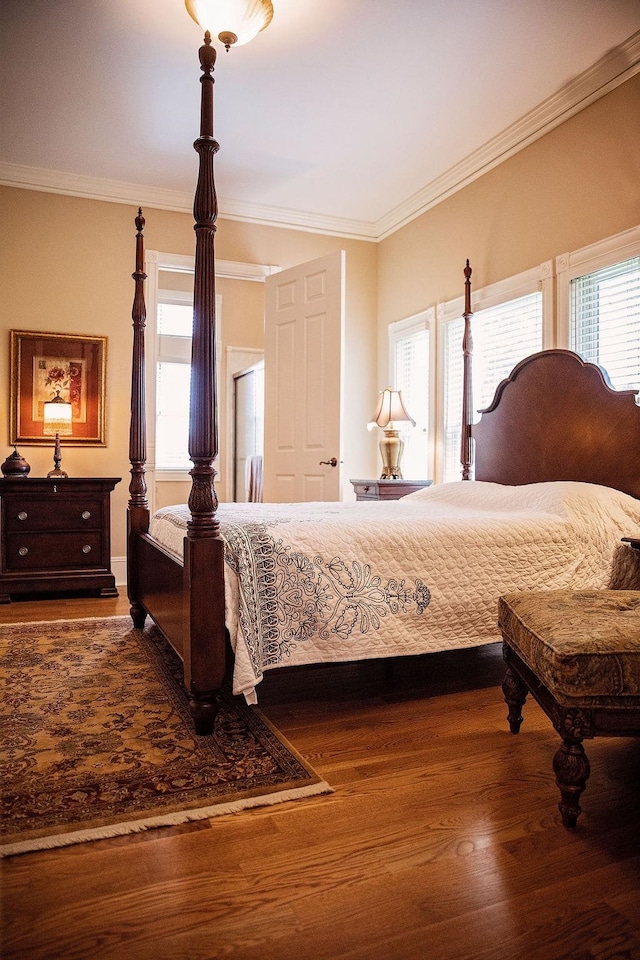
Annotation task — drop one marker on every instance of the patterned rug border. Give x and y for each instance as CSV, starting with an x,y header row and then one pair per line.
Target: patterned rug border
x,y
222,808
170,820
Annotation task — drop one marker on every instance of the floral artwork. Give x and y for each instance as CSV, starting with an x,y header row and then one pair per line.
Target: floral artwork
x,y
45,365
59,375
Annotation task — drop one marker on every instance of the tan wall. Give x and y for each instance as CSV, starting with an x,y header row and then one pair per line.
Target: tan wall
x,y
67,264
66,267
577,184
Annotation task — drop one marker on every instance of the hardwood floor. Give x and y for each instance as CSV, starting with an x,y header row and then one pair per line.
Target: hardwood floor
x,y
442,840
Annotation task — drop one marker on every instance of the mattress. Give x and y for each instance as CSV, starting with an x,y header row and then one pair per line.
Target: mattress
x,y
327,582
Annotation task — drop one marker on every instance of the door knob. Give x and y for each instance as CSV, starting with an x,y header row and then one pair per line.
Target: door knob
x,y
329,463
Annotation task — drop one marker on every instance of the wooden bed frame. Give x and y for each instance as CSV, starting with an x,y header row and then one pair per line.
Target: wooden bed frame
x,y
554,418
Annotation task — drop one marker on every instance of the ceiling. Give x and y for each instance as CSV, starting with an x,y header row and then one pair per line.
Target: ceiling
x,y
346,116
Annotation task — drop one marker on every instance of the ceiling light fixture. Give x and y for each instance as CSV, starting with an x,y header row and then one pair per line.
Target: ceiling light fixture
x,y
232,22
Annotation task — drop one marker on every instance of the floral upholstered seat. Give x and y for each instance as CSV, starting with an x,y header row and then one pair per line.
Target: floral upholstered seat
x,y
585,647
578,654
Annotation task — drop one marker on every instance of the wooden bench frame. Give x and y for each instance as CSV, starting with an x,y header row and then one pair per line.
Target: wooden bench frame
x,y
574,723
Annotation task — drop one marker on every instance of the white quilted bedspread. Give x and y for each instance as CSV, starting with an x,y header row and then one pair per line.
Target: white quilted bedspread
x,y
314,582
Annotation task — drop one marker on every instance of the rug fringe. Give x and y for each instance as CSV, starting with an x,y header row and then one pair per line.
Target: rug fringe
x,y
63,619
173,819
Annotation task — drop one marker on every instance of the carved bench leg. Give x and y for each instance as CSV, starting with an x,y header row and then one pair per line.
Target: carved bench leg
x,y
571,767
515,694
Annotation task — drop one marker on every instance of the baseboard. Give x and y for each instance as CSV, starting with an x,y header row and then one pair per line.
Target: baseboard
x,y
119,570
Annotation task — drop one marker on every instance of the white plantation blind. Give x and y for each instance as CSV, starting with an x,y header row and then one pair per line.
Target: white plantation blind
x,y
502,336
411,376
172,415
173,377
175,319
605,321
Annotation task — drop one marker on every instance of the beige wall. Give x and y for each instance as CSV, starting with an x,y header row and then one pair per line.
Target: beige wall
x,y
577,184
66,267
67,264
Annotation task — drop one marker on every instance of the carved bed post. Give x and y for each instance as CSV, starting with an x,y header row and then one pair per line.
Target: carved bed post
x,y
138,507
205,636
466,458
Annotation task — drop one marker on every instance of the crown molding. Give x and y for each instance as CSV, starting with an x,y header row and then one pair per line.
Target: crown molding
x,y
93,188
136,194
617,66
297,220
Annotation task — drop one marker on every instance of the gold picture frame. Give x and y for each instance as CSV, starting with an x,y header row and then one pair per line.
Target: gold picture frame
x,y
43,364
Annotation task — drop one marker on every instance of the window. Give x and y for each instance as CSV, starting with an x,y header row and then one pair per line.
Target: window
x,y
173,377
510,321
598,305
172,372
604,320
410,358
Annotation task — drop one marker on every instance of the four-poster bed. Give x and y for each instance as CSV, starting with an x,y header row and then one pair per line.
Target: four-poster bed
x,y
554,419
556,487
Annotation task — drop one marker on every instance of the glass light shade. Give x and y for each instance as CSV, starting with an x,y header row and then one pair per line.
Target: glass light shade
x,y
243,19
57,417
390,410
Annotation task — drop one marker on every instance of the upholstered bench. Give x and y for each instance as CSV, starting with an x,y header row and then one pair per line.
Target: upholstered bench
x,y
578,654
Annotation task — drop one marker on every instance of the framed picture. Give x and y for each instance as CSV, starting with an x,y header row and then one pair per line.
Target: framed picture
x,y
46,365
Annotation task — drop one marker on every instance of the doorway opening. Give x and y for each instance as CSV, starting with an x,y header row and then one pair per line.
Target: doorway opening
x,y
248,446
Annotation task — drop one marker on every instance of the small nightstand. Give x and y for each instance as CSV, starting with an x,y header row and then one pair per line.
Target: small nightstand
x,y
55,536
387,489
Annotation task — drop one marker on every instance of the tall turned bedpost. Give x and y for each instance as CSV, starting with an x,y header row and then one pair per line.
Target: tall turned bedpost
x,y
138,507
205,640
467,380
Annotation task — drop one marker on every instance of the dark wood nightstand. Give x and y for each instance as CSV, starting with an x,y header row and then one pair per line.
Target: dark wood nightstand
x,y
632,541
55,536
387,489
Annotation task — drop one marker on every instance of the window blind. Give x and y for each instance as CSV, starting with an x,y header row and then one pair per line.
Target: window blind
x,y
605,321
173,376
172,415
411,376
502,336
175,320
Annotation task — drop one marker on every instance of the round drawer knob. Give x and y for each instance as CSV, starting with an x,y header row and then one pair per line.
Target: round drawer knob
x,y
86,548
22,515
86,514
23,551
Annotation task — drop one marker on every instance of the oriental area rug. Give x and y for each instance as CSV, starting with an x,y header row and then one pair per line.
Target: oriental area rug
x,y
98,739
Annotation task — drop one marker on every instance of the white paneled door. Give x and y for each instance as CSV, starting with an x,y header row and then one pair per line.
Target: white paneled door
x,y
304,334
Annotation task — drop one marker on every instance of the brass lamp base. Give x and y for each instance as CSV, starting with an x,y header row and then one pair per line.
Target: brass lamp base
x,y
57,460
391,447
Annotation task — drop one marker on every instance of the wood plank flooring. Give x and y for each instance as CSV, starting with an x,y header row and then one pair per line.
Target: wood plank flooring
x,y
442,840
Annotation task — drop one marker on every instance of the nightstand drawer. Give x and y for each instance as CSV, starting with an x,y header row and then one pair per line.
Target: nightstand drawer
x,y
53,551
366,491
384,489
54,513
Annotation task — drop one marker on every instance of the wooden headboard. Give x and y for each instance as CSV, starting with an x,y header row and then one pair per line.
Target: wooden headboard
x,y
557,418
